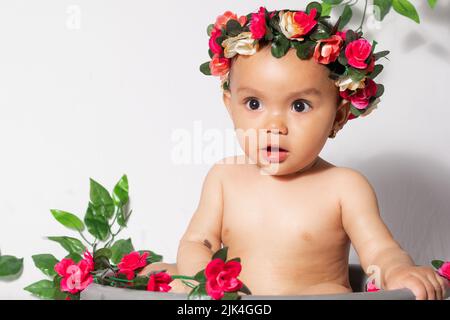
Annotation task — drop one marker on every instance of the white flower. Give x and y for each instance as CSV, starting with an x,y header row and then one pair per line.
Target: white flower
x,y
346,82
242,44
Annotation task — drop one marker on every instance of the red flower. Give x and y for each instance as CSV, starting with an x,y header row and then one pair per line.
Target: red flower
x,y
219,66
357,52
258,24
444,270
371,287
222,277
342,34
360,98
327,50
75,277
159,282
131,262
215,47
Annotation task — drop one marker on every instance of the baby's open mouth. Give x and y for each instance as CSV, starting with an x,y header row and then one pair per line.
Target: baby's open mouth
x,y
274,153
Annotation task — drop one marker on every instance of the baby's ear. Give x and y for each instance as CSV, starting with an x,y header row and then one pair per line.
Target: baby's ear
x,y
342,113
227,100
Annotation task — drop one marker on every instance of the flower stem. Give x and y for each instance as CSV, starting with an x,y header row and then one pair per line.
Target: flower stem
x,y
363,17
84,238
190,285
177,276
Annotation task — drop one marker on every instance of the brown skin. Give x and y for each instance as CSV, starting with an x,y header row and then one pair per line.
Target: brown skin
x,y
291,223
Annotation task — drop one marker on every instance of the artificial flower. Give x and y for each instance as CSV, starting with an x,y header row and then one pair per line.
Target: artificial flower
x,y
242,44
219,66
132,262
75,277
342,34
360,98
347,83
213,45
221,277
296,24
222,20
258,24
327,50
371,287
444,270
357,53
159,282
373,106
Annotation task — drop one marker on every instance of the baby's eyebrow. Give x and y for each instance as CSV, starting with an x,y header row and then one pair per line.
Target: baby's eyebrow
x,y
307,91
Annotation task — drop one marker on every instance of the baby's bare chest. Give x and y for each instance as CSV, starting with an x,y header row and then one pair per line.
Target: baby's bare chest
x,y
301,215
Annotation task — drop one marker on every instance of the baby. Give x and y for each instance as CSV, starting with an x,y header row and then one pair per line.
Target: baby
x,y
286,212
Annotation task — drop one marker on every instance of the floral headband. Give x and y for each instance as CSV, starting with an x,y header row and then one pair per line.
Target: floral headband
x,y
350,57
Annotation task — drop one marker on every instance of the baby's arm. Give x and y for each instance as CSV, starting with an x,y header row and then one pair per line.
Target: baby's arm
x,y
203,235
374,243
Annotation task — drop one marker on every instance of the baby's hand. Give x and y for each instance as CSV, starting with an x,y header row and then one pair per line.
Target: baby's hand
x,y
423,281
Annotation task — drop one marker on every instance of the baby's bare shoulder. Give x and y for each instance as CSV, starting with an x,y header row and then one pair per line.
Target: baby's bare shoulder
x,y
350,181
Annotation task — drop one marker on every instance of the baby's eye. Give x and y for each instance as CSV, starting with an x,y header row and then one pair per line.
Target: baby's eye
x,y
253,104
301,106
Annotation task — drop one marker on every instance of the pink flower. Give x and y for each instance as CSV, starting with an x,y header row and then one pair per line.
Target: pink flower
x,y
327,50
360,98
131,262
75,277
371,287
215,47
159,282
222,277
444,270
219,66
258,24
357,52
222,20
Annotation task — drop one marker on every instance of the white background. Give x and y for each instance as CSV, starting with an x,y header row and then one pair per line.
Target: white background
x,y
104,100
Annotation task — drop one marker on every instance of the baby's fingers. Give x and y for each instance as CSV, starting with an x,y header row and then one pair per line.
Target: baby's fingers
x,y
416,286
430,291
437,286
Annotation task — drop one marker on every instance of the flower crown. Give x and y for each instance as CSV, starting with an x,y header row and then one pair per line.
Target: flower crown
x,y
350,57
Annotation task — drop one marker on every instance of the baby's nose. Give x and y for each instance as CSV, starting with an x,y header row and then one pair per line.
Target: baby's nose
x,y
277,127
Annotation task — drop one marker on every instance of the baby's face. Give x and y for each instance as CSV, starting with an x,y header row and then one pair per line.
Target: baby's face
x,y
287,103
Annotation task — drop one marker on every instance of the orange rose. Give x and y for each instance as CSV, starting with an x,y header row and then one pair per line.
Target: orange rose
x,y
327,50
219,66
222,20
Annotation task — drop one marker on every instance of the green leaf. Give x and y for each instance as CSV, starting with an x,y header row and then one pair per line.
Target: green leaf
x,y
406,8
355,75
381,8
10,265
432,3
233,28
103,252
332,2
101,199
280,46
120,193
68,220
122,216
199,293
380,90
74,256
376,71
204,68
245,289
345,17
380,54
96,222
152,256
121,248
314,5
355,111
305,49
221,254
46,263
43,289
326,9
230,296
322,32
209,29
101,258
350,36
72,245
437,263
200,276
